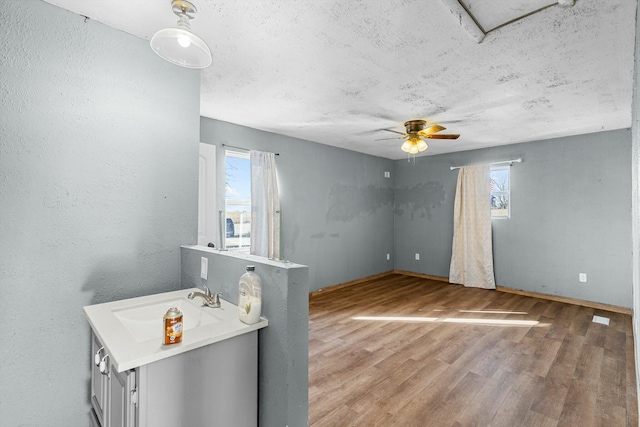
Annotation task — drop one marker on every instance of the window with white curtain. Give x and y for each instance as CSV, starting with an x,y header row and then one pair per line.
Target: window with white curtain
x,y
237,200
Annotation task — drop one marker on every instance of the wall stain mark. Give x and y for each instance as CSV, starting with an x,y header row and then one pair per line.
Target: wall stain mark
x,y
347,202
419,200
323,234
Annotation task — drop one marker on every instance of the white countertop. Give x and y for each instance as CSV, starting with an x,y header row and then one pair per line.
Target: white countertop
x,y
130,347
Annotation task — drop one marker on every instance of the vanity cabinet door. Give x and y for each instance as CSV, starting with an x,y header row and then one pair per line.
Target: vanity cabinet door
x,y
113,394
122,395
99,383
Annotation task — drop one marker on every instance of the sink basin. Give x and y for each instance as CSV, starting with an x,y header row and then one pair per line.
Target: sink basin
x,y
131,329
144,321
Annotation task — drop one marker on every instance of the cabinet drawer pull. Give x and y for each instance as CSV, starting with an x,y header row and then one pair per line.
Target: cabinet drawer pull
x,y
97,356
103,365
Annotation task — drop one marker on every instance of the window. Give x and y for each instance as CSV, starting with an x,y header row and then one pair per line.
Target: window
x,y
237,200
500,192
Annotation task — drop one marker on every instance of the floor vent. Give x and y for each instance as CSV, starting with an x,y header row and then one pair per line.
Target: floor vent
x,y
602,320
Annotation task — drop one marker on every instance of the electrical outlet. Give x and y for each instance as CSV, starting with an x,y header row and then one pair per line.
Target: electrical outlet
x,y
387,174
204,267
582,277
388,257
417,257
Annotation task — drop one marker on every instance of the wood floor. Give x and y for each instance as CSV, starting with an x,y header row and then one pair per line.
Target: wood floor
x,y
406,351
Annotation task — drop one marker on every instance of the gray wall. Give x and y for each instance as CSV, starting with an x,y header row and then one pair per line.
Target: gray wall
x,y
571,211
337,205
98,190
570,214
283,345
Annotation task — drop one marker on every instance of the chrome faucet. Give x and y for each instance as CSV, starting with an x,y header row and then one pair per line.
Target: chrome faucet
x,y
209,299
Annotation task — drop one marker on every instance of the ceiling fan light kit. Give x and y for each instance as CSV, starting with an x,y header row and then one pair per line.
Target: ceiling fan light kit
x,y
179,45
415,134
414,145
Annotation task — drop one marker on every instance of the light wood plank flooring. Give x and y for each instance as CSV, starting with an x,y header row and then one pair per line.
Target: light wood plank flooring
x,y
407,351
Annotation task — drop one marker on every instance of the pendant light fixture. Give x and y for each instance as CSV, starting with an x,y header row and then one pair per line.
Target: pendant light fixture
x,y
179,45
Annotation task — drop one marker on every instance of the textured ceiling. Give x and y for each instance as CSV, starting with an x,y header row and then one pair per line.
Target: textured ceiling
x,y
337,72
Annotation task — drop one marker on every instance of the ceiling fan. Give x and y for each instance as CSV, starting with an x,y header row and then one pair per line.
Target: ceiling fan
x,y
416,133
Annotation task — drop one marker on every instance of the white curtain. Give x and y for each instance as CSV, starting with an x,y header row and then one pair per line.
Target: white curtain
x,y
472,257
265,205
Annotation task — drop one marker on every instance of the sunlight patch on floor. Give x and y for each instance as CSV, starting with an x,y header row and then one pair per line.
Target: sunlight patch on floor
x,y
492,312
490,322
397,318
494,321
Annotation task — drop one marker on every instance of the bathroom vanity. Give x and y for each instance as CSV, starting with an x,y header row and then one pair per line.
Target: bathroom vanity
x,y
210,378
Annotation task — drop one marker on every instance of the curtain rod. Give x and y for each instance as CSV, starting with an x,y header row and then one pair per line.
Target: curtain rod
x,y
494,163
240,148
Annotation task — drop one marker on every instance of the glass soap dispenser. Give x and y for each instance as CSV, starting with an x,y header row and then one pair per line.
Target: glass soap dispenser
x,y
250,301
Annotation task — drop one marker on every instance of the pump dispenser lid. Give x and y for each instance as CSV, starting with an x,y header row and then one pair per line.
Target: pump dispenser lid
x,y
251,268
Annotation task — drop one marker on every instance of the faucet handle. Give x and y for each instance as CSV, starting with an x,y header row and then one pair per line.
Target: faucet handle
x,y
207,292
216,298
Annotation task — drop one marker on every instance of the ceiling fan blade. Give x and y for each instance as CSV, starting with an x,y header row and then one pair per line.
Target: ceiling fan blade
x,y
394,131
386,139
444,136
431,130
